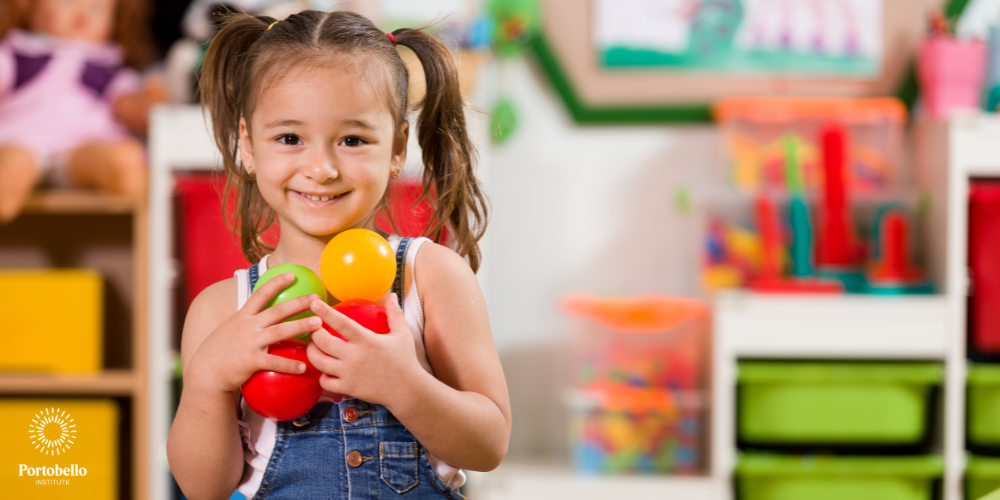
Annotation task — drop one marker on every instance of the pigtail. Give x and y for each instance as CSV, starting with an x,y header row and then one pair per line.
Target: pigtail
x,y
449,158
222,85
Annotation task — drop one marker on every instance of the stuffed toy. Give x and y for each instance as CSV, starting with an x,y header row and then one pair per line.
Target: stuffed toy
x,y
70,100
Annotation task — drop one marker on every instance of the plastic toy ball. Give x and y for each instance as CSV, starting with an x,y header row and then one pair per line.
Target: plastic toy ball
x,y
306,282
358,264
284,396
365,313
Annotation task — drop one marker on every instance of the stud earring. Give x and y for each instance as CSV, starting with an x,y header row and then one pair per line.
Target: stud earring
x,y
394,173
251,172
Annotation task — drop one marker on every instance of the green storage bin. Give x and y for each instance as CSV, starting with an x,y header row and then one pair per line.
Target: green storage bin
x,y
984,404
982,477
845,403
786,477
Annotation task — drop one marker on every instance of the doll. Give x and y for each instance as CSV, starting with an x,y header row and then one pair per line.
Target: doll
x,y
68,102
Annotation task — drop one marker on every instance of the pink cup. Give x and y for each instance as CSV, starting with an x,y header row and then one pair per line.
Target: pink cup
x,y
951,74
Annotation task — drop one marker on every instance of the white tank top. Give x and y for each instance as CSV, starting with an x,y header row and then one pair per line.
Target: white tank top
x,y
258,432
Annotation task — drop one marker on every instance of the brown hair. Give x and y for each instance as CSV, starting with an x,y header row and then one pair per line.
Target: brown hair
x,y
245,54
129,28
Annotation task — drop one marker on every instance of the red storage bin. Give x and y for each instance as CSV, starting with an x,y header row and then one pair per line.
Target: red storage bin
x,y
209,251
984,264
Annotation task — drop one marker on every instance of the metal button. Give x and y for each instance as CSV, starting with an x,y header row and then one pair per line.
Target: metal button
x,y
301,421
354,459
351,414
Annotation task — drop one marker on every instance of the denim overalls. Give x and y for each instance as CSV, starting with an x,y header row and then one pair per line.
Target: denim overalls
x,y
351,450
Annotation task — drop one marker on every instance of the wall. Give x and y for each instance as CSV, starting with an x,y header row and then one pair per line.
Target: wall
x,y
587,208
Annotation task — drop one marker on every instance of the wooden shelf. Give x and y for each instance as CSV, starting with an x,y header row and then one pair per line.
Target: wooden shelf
x,y
106,383
78,201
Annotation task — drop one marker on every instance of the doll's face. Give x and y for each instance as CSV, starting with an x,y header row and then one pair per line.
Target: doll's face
x,y
87,20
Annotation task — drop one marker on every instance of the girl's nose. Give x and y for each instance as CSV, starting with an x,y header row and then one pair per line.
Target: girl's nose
x,y
322,168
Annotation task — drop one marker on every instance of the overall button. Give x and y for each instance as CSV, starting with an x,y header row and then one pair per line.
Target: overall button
x,y
351,415
301,421
354,459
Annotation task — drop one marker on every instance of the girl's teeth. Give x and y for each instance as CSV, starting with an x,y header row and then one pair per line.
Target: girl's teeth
x,y
318,198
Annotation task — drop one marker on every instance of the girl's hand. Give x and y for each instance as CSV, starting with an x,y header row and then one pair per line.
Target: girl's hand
x,y
238,347
369,366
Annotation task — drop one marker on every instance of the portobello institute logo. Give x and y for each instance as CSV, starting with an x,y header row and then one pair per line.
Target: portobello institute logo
x,y
52,431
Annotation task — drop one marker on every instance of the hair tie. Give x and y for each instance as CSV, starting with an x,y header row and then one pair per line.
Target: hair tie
x,y
391,37
271,26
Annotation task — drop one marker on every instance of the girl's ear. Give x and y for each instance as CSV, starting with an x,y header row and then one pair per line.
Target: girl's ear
x,y
399,145
246,150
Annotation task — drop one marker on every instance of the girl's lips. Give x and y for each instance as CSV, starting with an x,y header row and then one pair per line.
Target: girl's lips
x,y
318,203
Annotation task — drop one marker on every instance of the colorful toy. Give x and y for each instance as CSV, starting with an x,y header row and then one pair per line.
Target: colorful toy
x,y
284,396
894,274
69,102
756,131
306,282
365,313
358,264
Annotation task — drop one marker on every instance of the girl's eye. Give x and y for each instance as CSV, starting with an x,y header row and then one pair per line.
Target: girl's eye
x,y
352,142
290,140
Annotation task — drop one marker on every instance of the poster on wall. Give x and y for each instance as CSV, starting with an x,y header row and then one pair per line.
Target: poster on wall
x,y
836,38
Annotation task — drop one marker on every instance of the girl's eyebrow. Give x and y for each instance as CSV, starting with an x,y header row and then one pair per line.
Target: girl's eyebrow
x,y
359,124
283,123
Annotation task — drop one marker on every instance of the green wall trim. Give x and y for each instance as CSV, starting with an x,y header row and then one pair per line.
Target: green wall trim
x,y
907,91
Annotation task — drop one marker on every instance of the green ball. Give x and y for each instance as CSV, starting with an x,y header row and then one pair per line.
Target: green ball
x,y
306,282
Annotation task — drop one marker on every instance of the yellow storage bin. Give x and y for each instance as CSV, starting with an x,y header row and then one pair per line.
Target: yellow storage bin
x,y
59,448
51,320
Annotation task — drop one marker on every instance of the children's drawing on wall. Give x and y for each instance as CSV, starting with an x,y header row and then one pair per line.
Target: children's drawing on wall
x,y
815,37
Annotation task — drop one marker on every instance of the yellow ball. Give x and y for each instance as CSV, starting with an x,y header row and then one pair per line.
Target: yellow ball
x,y
358,264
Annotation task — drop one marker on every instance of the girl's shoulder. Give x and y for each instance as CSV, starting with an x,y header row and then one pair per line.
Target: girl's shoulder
x,y
440,269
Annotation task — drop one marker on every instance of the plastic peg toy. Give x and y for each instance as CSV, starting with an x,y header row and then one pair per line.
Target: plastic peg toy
x,y
837,251
798,212
835,246
358,264
770,279
894,274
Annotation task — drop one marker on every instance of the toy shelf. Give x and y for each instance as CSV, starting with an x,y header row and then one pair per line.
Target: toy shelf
x,y
78,201
112,382
841,326
76,228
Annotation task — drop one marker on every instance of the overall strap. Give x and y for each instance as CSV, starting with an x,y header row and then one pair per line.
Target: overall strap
x,y
400,281
252,274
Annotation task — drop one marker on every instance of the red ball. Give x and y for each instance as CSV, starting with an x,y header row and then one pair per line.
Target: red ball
x,y
365,313
284,396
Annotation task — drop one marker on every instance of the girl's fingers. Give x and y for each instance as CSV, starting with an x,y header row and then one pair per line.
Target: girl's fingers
x,y
258,300
280,312
397,322
276,363
326,364
289,329
328,344
333,384
345,326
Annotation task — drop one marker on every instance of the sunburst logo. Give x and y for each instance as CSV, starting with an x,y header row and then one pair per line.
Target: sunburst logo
x,y
52,431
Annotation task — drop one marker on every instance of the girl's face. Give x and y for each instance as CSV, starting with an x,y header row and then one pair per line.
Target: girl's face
x,y
322,143
88,20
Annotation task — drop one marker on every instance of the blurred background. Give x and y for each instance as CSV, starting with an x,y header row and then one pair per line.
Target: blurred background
x,y
737,248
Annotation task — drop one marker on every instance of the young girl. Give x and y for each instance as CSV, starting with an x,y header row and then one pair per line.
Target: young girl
x,y
315,108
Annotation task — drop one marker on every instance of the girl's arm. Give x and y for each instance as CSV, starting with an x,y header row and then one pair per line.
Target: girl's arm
x,y
204,447
220,349
463,415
